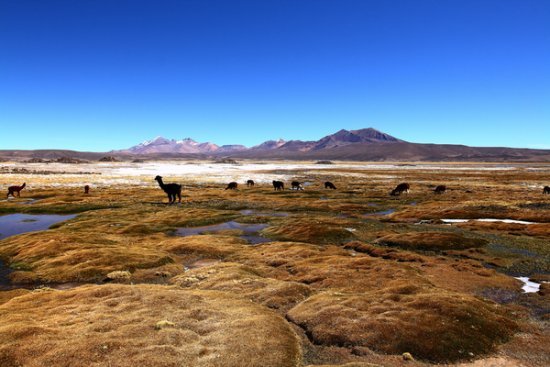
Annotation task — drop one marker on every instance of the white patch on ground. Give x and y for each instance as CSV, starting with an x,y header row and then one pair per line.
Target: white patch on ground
x,y
103,174
455,220
512,221
505,221
529,286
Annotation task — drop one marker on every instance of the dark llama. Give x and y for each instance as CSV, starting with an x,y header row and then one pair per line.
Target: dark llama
x,y
16,189
171,189
278,185
329,185
296,185
401,188
232,186
440,189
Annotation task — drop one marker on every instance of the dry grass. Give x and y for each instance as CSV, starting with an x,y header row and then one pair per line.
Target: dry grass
x,y
431,325
117,325
245,282
311,230
431,241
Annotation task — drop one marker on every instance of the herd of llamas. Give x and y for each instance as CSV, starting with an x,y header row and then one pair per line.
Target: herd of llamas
x,y
173,190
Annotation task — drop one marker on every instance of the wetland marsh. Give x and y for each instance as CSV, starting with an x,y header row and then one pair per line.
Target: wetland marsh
x,y
351,276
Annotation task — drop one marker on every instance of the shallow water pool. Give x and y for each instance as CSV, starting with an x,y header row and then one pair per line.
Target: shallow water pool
x,y
13,224
382,212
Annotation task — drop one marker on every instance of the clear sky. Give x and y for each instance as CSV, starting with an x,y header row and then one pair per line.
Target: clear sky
x,y
107,74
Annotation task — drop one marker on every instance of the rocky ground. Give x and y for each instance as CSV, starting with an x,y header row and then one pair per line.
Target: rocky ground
x,y
347,277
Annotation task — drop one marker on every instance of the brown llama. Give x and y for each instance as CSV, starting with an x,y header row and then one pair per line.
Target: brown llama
x,y
87,189
15,189
232,186
546,190
329,185
171,189
440,189
278,185
401,188
249,183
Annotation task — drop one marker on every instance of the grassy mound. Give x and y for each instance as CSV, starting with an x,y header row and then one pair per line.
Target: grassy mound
x,y
319,231
245,282
435,326
120,325
431,241
61,256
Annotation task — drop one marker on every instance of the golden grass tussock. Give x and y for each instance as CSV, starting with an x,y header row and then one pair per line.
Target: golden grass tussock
x,y
119,275
246,282
384,252
540,229
122,325
210,246
328,267
64,256
311,230
431,241
430,324
467,276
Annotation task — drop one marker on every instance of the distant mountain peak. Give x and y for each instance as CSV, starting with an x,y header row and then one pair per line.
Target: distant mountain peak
x,y
269,145
157,140
373,134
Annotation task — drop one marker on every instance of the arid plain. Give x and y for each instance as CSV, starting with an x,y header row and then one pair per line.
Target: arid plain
x,y
257,277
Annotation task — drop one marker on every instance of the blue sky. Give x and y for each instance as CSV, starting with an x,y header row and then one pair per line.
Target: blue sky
x,y
100,74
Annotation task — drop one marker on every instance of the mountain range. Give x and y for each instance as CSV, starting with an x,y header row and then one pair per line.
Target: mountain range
x,y
358,145
190,146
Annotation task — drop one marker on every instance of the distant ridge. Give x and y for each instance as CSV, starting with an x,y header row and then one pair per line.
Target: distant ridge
x,y
358,145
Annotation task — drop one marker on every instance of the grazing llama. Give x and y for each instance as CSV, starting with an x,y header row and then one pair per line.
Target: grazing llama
x,y
546,190
171,189
278,185
440,189
295,185
87,189
249,183
329,185
16,189
232,186
401,188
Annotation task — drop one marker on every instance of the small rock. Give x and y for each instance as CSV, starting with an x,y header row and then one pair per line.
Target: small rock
x,y
118,275
163,274
164,324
